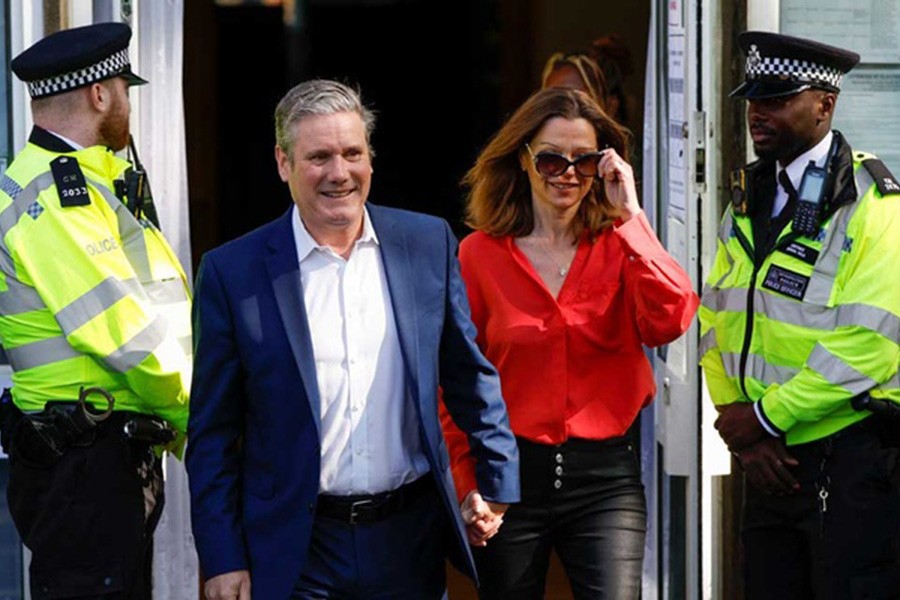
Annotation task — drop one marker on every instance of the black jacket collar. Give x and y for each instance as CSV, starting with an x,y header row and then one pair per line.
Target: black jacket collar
x,y
46,140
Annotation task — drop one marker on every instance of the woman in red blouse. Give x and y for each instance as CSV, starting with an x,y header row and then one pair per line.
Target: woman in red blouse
x,y
566,282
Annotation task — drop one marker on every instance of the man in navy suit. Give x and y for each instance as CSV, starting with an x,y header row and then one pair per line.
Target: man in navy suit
x,y
316,459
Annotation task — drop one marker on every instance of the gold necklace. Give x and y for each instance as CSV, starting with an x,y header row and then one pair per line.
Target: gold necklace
x,y
562,270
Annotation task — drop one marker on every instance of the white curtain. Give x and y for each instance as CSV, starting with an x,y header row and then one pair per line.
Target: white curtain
x,y
161,145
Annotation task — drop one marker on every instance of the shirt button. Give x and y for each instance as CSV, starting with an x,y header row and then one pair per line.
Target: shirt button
x,y
354,408
631,258
559,471
359,452
559,458
557,484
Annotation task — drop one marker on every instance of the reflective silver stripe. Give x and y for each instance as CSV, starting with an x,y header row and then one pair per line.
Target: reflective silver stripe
x,y
892,383
40,353
728,299
863,179
707,342
718,283
11,214
708,297
187,344
725,226
7,265
19,298
134,351
732,299
94,302
130,231
822,280
787,310
876,319
732,363
823,318
724,235
837,372
757,368
167,291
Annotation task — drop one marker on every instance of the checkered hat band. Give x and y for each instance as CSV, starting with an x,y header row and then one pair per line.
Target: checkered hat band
x,y
793,70
108,67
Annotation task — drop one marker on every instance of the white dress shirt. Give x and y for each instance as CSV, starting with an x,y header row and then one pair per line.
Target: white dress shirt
x,y
370,435
817,153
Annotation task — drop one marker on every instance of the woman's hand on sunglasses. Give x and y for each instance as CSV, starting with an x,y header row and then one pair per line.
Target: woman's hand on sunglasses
x,y
618,182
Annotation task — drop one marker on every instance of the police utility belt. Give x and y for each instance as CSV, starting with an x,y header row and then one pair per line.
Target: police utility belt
x,y
45,436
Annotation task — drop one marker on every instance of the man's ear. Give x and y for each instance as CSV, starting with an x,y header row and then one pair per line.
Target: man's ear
x,y
284,163
99,96
827,102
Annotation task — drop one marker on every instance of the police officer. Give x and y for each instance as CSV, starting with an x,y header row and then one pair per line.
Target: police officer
x,y
800,316
94,318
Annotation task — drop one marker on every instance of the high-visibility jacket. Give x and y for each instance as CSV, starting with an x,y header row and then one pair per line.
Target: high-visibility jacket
x,y
817,321
89,295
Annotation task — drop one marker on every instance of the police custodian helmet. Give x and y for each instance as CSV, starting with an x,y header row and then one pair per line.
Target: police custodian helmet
x,y
781,65
74,58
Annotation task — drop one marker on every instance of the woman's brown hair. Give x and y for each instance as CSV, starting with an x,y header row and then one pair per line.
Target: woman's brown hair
x,y
499,200
588,71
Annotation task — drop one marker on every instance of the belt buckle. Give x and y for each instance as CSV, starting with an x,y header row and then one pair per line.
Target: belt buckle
x,y
354,509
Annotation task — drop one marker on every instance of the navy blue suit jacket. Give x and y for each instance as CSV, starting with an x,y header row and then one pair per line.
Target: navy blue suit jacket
x,y
253,453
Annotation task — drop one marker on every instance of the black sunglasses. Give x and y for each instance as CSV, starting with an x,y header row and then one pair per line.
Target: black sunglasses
x,y
553,164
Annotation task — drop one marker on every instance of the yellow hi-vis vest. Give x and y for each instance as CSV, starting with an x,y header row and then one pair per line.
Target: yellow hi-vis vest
x,y
816,324
89,296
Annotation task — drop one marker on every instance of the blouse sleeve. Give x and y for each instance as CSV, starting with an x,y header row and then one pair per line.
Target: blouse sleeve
x,y
658,289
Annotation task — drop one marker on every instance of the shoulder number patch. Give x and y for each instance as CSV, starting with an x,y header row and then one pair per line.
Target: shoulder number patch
x,y
70,184
884,180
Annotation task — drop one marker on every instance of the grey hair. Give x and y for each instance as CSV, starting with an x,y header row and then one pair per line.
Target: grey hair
x,y
317,97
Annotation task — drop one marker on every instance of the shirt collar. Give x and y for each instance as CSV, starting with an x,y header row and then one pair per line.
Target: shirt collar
x,y
306,244
72,143
817,154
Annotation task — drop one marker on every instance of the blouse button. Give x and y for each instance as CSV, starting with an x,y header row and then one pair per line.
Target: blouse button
x,y
559,458
557,484
559,471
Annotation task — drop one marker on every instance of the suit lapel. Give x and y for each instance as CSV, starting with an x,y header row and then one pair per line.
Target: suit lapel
x,y
395,256
284,272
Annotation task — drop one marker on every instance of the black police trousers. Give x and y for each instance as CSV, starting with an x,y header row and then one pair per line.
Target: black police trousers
x,y
838,538
85,521
585,500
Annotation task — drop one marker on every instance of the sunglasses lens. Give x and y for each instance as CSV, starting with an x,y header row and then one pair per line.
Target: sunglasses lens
x,y
586,166
550,165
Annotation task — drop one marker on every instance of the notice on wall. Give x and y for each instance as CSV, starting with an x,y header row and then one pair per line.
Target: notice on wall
x,y
869,27
677,171
867,110
676,13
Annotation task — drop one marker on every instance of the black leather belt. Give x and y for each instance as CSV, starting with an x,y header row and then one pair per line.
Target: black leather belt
x,y
363,509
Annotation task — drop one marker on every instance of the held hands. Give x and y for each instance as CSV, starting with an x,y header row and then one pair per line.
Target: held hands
x,y
764,458
739,427
767,463
234,585
482,518
618,181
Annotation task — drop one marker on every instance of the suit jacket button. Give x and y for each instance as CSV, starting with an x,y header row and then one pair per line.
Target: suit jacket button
x,y
312,508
